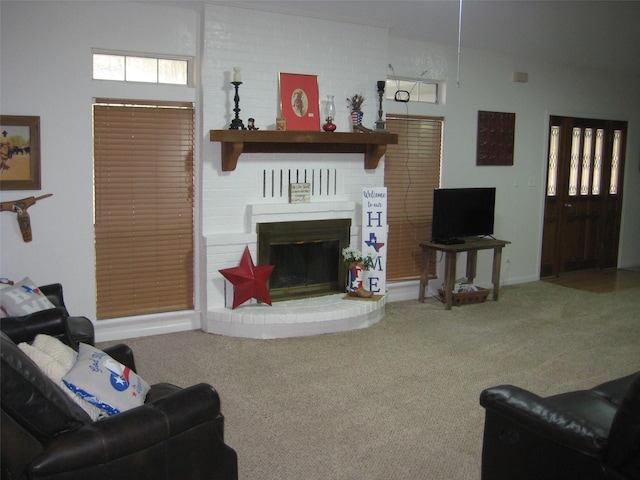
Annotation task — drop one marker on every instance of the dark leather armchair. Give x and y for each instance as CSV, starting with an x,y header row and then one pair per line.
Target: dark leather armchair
x,y
589,434
176,434
80,328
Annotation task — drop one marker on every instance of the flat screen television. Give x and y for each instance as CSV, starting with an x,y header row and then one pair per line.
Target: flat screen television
x,y
462,212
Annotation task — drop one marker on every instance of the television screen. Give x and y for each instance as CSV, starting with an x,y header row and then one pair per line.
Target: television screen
x,y
462,212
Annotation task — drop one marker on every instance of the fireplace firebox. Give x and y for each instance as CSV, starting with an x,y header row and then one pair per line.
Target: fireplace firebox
x,y
307,256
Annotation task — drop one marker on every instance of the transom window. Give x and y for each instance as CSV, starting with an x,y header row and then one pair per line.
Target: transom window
x,y
406,90
122,67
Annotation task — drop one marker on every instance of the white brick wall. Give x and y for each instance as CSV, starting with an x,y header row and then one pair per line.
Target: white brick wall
x,y
263,45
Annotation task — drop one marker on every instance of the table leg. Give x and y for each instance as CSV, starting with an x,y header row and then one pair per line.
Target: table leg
x,y
472,262
424,276
449,278
495,275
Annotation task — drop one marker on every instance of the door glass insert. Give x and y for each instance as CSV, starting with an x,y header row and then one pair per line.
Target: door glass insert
x,y
615,161
552,176
574,165
597,163
586,161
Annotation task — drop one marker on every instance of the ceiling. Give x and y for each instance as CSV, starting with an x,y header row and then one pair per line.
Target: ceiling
x,y
592,34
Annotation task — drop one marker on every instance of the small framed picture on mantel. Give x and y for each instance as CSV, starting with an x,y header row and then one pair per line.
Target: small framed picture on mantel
x,y
299,101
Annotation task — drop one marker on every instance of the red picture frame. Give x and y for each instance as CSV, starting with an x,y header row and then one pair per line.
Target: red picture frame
x,y
299,101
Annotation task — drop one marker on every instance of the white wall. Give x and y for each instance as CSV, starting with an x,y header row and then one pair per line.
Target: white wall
x,y
46,71
486,83
46,55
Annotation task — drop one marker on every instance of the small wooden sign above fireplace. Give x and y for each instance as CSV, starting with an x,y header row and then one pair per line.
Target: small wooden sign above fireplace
x,y
299,192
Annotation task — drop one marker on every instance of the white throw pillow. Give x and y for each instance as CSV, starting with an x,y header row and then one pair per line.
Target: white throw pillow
x,y
63,354
56,370
23,298
104,382
44,361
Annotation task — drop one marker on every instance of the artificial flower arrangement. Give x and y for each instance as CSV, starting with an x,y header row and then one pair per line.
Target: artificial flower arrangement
x,y
352,254
355,102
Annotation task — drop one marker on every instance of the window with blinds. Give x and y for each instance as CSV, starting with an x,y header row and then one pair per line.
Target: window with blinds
x,y
412,172
143,177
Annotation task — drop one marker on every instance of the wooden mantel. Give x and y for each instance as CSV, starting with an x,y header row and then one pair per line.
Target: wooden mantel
x,y
236,142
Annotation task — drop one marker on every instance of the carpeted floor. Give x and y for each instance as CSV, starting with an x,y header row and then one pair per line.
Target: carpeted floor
x,y
398,400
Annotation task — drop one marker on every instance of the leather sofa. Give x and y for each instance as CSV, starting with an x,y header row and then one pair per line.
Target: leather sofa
x,y
176,434
591,434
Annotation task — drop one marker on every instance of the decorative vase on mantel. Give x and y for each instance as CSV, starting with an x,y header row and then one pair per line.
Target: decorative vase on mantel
x,y
355,104
356,118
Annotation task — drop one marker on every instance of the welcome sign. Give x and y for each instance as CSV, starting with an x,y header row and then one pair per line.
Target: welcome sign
x,y
374,237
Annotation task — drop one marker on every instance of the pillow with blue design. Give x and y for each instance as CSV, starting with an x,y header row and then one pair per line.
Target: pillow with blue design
x,y
104,382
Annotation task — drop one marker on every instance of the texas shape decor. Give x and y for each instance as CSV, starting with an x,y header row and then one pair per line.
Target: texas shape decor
x,y
249,280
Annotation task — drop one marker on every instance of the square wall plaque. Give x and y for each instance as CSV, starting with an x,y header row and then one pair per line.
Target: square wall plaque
x,y
496,132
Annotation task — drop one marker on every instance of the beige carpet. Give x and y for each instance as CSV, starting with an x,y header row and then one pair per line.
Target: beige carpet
x,y
398,400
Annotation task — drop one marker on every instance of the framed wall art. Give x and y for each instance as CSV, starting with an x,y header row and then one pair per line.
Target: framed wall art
x,y
19,152
496,133
299,101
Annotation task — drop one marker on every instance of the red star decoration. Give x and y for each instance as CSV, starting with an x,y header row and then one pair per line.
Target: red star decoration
x,y
249,281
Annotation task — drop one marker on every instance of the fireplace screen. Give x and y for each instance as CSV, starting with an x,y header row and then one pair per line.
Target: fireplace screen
x,y
307,256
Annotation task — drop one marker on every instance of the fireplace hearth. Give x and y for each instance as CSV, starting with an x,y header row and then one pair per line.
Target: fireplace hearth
x,y
307,256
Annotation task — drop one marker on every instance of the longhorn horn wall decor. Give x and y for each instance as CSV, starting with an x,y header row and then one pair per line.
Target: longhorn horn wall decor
x,y
20,208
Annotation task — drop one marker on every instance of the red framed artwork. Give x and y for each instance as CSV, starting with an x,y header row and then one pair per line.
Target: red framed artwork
x,y
299,101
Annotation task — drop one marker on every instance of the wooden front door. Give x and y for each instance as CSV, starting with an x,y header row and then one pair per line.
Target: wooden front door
x,y
583,194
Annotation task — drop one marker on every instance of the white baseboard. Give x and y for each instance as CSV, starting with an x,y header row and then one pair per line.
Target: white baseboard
x,y
401,291
146,325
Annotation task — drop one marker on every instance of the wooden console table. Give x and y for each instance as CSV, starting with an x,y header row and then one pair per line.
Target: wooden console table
x,y
471,247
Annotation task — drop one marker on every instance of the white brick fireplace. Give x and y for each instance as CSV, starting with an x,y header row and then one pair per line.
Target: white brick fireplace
x,y
307,316
264,45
